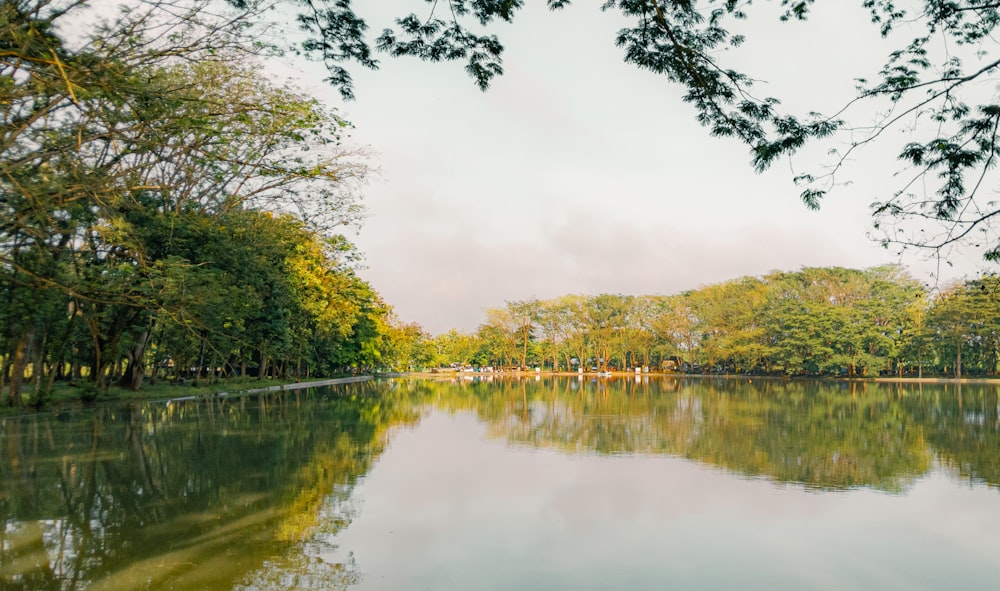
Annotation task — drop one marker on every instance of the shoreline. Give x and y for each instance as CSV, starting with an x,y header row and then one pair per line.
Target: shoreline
x,y
169,400
278,388
625,374
62,405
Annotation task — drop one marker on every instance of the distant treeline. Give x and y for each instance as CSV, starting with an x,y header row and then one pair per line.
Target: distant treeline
x,y
817,322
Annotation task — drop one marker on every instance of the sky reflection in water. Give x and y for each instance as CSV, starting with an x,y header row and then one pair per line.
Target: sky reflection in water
x,y
448,508
548,484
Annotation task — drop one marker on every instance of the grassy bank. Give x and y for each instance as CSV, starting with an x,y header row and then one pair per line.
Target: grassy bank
x,y
65,395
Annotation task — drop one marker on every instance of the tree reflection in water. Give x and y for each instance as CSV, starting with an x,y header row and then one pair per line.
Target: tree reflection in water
x,y
824,435
190,495
246,493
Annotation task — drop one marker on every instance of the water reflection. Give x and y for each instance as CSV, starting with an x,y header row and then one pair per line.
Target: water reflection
x,y
248,493
188,496
820,434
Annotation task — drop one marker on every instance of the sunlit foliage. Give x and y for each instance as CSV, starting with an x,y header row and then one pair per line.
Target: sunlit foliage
x,y
817,321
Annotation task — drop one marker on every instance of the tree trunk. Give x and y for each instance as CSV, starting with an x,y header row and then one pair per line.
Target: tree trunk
x,y
201,361
135,371
118,369
262,373
58,368
96,364
156,361
38,365
213,367
524,353
52,374
958,362
18,363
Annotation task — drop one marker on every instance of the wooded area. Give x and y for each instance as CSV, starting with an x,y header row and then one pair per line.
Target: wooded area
x,y
168,211
816,322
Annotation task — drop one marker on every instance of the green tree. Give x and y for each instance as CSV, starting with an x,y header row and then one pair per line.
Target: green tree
x,y
893,313
966,322
676,328
502,336
577,341
456,347
606,317
496,346
525,315
128,161
729,316
409,348
553,323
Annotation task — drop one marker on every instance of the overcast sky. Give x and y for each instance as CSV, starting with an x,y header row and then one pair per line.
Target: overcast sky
x,y
577,173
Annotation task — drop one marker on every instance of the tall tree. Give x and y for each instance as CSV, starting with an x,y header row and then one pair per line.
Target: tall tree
x,y
525,315
502,334
606,316
126,151
966,320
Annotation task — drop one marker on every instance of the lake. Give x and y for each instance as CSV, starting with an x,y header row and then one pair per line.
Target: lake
x,y
548,483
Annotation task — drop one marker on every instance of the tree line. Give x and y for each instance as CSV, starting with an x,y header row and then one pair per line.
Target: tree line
x,y
816,322
167,210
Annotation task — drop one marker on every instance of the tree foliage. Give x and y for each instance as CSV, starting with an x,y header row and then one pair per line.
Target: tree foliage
x,y
813,322
931,91
167,208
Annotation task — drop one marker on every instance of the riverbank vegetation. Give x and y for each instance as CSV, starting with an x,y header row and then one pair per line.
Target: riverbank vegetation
x,y
168,211
171,213
816,322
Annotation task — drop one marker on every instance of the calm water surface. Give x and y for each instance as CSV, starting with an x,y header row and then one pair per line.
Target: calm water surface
x,y
532,484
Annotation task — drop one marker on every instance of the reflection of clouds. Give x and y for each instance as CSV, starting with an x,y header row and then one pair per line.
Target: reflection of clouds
x,y
447,507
